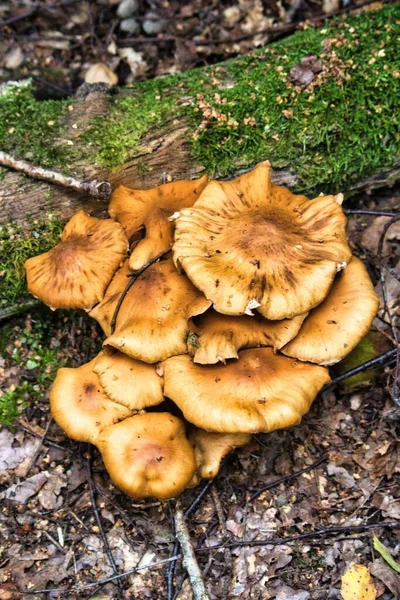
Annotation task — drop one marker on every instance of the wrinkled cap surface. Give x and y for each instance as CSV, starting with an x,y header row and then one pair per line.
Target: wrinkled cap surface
x,y
76,273
219,337
80,406
151,209
104,311
148,455
260,392
339,323
127,381
210,448
249,244
152,323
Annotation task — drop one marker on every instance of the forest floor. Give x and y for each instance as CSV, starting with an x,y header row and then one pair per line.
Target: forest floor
x,y
333,480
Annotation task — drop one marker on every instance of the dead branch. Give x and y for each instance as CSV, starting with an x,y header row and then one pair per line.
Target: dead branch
x,y
189,558
101,190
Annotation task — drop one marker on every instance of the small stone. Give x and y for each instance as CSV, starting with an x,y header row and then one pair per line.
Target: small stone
x,y
130,26
100,73
153,25
14,58
231,16
127,8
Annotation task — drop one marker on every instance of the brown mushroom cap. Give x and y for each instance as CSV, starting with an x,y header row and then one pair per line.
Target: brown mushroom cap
x,y
152,209
248,243
127,381
219,337
261,391
152,322
104,311
339,323
210,448
76,273
80,406
148,455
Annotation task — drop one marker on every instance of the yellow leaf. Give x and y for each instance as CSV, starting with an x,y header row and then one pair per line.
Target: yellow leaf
x,y
357,584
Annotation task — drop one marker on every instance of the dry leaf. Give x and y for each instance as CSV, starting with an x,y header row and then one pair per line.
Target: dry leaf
x,y
357,584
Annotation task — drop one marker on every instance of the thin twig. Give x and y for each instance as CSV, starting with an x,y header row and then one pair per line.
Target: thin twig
x,y
45,442
132,278
38,449
99,523
189,558
101,190
277,482
386,356
375,213
301,536
225,538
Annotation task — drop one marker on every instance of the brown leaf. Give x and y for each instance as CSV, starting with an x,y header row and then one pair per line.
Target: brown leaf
x,y
390,578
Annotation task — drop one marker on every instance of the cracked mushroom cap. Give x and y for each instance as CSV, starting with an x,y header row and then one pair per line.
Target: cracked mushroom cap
x,y
152,323
80,406
127,381
339,323
76,273
210,448
248,243
218,337
152,209
260,392
148,455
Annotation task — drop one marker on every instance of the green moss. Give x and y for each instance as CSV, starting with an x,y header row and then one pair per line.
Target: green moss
x,y
16,246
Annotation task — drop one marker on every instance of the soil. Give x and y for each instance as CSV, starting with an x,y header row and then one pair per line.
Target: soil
x,y
333,480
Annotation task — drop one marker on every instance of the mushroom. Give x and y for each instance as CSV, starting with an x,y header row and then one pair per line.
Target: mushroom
x,y
76,273
148,455
338,324
80,406
104,311
153,209
248,243
260,392
216,338
210,448
152,323
127,381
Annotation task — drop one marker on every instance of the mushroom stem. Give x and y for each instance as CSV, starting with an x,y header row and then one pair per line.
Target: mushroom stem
x,y
100,190
189,558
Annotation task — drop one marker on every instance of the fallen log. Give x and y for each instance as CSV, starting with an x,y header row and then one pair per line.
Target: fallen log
x,y
321,105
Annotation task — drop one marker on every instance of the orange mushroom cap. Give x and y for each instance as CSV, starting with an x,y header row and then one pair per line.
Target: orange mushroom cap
x,y
248,243
210,448
260,392
104,311
339,323
148,455
127,381
219,337
152,209
152,323
80,406
76,273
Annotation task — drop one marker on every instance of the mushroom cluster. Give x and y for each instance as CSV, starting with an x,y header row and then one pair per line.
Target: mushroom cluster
x,y
222,304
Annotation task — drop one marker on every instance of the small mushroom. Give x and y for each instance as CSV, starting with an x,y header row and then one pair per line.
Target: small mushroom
x,y
127,381
152,323
76,273
210,448
248,243
217,337
260,392
80,406
339,323
152,209
148,455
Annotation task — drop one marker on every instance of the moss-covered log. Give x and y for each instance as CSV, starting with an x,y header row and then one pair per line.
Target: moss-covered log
x,y
337,133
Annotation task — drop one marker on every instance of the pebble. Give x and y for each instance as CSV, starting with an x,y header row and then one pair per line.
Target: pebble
x,y
100,73
130,26
14,58
232,15
127,8
153,25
